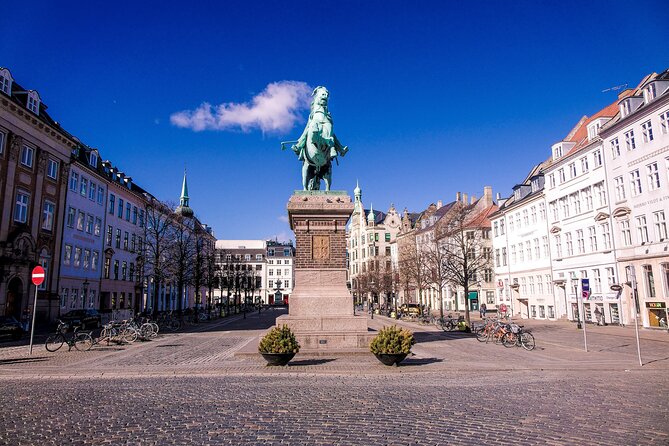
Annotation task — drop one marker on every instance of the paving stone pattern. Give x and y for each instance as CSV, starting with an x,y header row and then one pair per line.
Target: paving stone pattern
x,y
190,388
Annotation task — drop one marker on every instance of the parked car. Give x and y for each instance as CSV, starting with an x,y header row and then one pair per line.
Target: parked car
x,y
10,328
83,318
411,309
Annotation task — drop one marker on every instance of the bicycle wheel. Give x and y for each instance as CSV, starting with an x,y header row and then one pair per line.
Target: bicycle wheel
x,y
54,342
155,328
527,341
83,342
482,335
174,325
509,340
129,335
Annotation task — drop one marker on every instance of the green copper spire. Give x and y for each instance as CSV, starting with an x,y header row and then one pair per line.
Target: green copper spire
x,y
371,218
183,208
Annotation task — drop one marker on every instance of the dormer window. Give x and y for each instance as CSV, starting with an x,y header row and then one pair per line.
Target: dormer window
x,y
625,108
93,159
6,81
516,194
557,152
33,102
593,130
649,93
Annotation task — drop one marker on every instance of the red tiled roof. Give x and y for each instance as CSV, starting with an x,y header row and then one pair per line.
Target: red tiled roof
x,y
482,220
580,136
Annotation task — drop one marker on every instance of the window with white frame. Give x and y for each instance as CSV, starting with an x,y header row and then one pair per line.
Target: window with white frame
x,y
557,152
93,159
77,256
649,93
558,246
600,190
653,175
597,157
526,218
551,180
592,237
596,281
81,221
580,241
660,225
620,188
71,215
523,286
647,131
67,254
610,275
84,186
74,181
95,256
564,201
528,250
665,277
572,170
635,182
533,214
33,102
584,164
530,281
544,242
626,232
537,249
642,229
513,254
629,140
664,122
542,211
570,244
561,176
3,138
27,156
554,210
21,207
87,258
52,169
98,226
576,200
503,256
615,148
649,280
101,195
587,198
501,225
606,235
92,188
47,215
89,223
6,81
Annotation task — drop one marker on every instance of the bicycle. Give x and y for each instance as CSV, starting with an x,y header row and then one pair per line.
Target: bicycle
x,y
80,340
517,337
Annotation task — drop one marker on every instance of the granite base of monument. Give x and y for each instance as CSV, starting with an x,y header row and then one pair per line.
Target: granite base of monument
x,y
321,307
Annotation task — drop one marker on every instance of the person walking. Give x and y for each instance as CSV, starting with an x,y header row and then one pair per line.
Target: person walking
x,y
482,310
598,316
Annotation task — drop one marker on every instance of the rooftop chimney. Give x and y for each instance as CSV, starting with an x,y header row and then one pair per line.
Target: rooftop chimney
x,y
464,198
487,195
439,204
458,196
473,199
498,196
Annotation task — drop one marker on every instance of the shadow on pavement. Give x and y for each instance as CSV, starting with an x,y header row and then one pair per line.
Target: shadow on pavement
x,y
434,336
23,360
301,362
422,361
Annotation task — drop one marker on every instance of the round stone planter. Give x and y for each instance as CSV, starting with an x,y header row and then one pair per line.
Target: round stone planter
x,y
277,358
390,358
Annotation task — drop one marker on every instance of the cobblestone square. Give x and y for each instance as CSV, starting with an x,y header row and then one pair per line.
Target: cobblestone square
x,y
191,388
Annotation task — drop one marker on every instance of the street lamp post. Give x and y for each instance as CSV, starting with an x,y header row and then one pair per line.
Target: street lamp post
x,y
83,298
371,307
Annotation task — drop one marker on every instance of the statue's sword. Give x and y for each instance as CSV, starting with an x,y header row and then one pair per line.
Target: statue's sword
x,y
283,144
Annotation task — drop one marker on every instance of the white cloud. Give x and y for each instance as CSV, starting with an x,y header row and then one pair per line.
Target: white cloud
x,y
275,110
283,218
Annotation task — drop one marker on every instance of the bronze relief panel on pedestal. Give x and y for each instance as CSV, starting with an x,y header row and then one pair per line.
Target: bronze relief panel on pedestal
x,y
320,247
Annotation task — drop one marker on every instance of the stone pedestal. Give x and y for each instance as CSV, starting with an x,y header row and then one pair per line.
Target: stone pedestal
x,y
321,306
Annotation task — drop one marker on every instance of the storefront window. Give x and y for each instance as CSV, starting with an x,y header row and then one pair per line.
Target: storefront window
x,y
542,311
551,311
650,280
533,310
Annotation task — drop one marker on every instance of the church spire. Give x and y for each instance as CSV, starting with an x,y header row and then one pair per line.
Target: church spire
x,y
183,208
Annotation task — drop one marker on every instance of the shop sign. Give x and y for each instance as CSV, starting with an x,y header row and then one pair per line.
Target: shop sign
x,y
656,305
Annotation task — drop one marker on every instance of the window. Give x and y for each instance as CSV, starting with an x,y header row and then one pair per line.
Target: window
x,y
557,152
537,249
258,257
98,226
134,215
530,280
33,102
247,257
77,256
665,277
87,258
554,210
620,188
558,246
115,269
513,254
120,208
592,237
67,256
497,263
93,159
660,225
84,186
635,182
626,232
71,213
128,206
110,232
387,237
597,155
650,281
576,201
606,235
94,260
501,227
642,229
533,214
615,148
629,140
21,207
141,217
91,191
647,131
572,170
107,267
540,285
653,176
496,228
544,242
81,220
27,156
561,176
131,272
551,180
600,191
52,168
565,207
3,138
570,244
528,250
47,215
584,165
112,198
580,241
610,275
89,224
664,122
118,238
503,256
523,286
101,195
124,270
510,224
587,198
6,82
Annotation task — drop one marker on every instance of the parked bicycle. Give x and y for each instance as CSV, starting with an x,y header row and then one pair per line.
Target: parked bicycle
x,y
518,337
80,340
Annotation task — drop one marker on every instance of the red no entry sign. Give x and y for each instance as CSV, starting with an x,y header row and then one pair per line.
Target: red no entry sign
x,y
38,275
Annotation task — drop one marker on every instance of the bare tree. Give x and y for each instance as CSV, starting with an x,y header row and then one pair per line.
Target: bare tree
x,y
211,275
158,226
436,273
465,257
182,254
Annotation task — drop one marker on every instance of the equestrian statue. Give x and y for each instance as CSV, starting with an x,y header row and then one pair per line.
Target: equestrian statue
x,y
318,146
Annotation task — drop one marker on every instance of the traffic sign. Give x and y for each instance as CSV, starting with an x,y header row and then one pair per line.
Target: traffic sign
x,y
585,285
586,294
38,275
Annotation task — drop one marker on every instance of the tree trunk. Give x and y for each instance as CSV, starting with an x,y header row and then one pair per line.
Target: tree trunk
x,y
441,302
467,304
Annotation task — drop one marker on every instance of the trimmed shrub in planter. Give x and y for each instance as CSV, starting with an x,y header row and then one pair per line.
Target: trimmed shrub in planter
x,y
279,346
392,344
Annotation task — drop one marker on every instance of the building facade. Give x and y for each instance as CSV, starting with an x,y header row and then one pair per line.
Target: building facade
x,y
242,268
280,269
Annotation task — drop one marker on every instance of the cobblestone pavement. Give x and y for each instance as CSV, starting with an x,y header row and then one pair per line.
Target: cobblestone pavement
x,y
190,388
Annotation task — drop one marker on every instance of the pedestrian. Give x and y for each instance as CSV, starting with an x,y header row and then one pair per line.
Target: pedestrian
x,y
502,311
482,309
598,316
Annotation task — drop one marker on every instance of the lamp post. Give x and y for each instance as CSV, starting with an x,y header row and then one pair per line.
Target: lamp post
x,y
83,298
371,307
277,292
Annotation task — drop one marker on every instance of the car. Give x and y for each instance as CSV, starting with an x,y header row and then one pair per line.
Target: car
x,y
83,318
411,309
10,328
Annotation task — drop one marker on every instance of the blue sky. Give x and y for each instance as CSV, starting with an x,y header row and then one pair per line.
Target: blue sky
x,y
431,97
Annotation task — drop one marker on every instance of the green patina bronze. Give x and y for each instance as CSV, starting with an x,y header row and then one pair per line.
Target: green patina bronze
x,y
318,146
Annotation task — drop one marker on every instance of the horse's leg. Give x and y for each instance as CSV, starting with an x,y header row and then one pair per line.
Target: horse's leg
x,y
327,177
305,175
